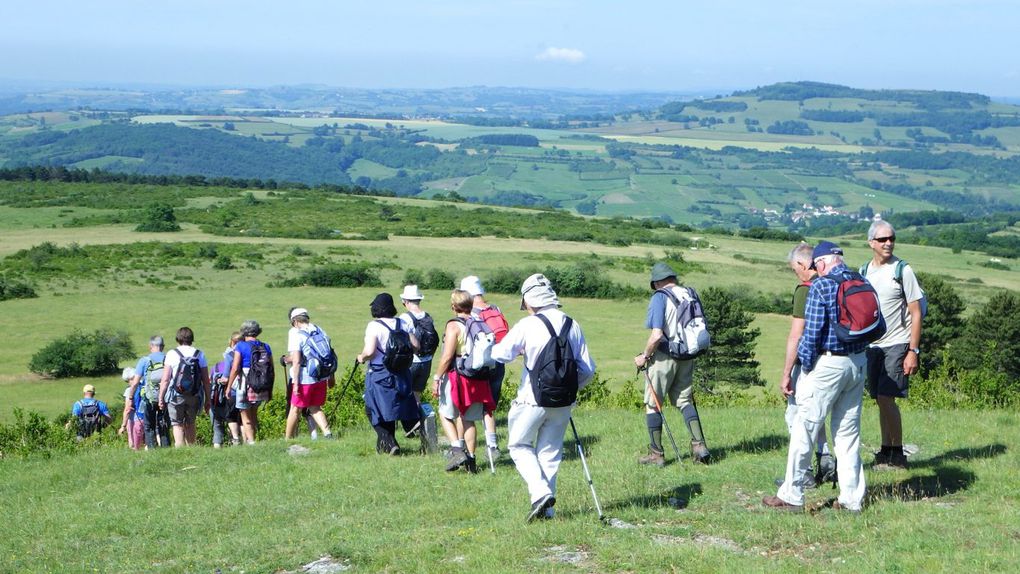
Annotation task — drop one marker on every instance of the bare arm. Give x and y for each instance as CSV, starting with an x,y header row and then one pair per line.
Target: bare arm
x,y
449,355
235,369
910,361
208,389
163,384
654,336
796,330
294,360
368,350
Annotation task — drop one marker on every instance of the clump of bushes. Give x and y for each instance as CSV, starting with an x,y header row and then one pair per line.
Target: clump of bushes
x,y
432,279
13,289
574,280
82,354
158,218
338,275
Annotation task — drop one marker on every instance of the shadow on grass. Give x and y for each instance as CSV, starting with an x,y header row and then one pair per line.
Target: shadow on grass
x,y
587,442
680,497
756,445
964,454
942,481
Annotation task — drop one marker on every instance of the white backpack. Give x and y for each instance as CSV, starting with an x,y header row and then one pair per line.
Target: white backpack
x,y
686,328
477,359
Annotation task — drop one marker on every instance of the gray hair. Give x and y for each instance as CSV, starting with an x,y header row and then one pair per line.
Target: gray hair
x,y
250,328
878,225
801,252
831,260
156,341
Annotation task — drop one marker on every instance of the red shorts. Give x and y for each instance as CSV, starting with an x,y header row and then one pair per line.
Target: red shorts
x,y
313,395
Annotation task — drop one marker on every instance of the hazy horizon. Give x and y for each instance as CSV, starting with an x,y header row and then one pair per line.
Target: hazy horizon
x,y
962,45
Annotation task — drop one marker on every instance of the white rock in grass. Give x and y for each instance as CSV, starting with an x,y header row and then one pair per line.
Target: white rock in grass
x,y
325,565
617,523
297,450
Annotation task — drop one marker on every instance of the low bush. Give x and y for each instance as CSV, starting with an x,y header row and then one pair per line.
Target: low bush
x,y
158,218
338,275
83,354
948,386
14,289
573,280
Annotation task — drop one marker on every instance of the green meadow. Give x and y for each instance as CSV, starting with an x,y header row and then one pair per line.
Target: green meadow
x,y
262,509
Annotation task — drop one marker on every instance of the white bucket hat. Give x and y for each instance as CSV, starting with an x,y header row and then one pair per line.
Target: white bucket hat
x,y
411,293
472,284
538,293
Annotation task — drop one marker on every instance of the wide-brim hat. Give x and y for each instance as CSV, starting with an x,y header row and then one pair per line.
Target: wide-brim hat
x,y
538,293
411,293
661,271
473,285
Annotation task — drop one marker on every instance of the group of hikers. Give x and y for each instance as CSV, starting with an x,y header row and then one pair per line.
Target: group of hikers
x,y
847,326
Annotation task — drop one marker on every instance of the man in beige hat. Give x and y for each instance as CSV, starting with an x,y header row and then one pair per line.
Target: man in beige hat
x,y
91,413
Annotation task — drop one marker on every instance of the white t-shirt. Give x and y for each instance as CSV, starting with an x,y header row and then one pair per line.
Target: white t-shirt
x,y
295,338
405,318
173,360
898,320
382,336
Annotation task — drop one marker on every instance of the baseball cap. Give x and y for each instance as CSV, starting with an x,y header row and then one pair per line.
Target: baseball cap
x,y
88,389
824,248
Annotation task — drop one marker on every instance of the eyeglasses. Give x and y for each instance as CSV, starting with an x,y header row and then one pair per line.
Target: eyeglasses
x,y
886,239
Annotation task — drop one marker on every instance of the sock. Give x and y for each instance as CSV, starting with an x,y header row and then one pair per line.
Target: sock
x,y
654,422
896,450
886,449
491,440
690,413
459,443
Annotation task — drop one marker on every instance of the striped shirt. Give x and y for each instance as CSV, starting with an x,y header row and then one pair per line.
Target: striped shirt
x,y
820,316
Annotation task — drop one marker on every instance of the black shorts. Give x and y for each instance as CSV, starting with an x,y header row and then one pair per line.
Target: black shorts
x,y
885,371
420,375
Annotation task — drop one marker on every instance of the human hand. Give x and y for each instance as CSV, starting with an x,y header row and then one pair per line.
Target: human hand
x,y
910,363
786,386
121,429
640,360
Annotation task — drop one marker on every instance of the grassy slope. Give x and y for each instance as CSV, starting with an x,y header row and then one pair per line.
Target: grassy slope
x,y
259,510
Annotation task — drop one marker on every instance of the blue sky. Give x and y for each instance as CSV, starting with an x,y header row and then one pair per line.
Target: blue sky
x,y
969,45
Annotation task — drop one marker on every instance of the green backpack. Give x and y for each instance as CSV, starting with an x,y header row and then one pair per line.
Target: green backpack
x,y
150,381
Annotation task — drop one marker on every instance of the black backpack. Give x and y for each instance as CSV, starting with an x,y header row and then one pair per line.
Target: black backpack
x,y
554,377
398,354
90,419
425,330
261,373
188,376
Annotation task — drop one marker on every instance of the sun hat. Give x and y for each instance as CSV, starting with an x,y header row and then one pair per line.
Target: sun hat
x,y
297,311
538,293
382,306
411,293
472,284
127,374
661,271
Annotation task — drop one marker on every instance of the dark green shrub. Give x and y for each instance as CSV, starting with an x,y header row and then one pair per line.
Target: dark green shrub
x,y
223,262
13,289
439,279
730,359
83,354
414,277
159,218
340,275
208,251
595,394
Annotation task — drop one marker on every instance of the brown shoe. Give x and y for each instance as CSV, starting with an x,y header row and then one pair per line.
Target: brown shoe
x,y
776,503
653,457
699,452
837,506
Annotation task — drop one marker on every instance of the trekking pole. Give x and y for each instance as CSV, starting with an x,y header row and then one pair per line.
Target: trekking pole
x,y
658,406
587,473
354,371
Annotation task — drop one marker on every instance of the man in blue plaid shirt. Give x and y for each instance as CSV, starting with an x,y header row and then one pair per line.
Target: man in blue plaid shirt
x,y
832,380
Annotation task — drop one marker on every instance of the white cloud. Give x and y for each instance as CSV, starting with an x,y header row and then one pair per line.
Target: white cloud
x,y
565,55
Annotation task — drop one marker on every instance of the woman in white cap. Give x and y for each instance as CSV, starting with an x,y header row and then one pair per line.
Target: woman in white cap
x,y
494,318
307,392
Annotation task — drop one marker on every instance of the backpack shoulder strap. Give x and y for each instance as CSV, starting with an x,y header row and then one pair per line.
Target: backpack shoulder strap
x,y
864,268
383,323
670,295
898,274
548,325
414,320
565,333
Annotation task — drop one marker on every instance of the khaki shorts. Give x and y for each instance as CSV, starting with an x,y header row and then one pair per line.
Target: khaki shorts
x,y
183,409
671,379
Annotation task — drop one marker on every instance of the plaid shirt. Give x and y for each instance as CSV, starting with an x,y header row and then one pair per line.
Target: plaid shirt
x,y
820,315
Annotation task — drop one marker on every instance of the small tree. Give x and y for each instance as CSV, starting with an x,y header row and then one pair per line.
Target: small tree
x,y
991,337
943,325
730,359
83,354
158,217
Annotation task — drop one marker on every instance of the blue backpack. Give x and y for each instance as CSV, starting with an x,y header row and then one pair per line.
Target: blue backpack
x,y
318,355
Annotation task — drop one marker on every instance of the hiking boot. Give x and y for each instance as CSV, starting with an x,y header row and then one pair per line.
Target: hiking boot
x,y
776,503
540,506
880,457
470,464
395,450
896,461
654,457
699,452
455,459
826,469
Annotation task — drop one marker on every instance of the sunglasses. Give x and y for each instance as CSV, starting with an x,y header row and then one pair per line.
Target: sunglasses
x,y
885,239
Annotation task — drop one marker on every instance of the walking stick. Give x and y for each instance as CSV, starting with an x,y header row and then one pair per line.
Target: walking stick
x,y
658,406
587,473
343,390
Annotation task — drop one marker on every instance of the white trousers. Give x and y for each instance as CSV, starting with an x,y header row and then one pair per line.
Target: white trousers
x,y
835,385
535,442
791,414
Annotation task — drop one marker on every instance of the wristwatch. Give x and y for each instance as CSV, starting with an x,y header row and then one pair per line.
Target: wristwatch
x,y
916,351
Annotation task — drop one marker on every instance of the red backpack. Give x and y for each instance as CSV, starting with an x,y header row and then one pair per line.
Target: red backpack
x,y
494,318
859,313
